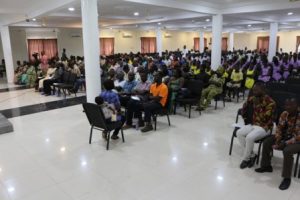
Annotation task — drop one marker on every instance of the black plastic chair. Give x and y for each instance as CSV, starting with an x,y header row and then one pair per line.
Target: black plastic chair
x,y
219,97
162,112
194,88
65,79
68,85
97,121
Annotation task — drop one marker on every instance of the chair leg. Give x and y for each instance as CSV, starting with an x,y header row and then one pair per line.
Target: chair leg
x,y
224,102
155,122
216,104
231,144
174,109
91,133
108,138
190,109
258,153
123,139
169,119
296,166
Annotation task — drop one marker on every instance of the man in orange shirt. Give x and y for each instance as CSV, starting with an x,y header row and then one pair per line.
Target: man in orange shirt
x,y
158,99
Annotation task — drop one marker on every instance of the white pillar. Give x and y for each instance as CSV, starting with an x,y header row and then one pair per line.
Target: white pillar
x,y
159,41
231,41
217,23
91,48
201,42
9,63
273,40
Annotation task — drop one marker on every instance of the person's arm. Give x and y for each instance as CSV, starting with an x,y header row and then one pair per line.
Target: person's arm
x,y
279,128
270,108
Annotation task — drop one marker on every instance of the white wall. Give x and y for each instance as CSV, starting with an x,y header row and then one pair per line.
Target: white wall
x,y
71,40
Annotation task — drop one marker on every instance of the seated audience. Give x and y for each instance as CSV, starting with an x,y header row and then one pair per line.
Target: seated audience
x,y
259,110
215,87
286,139
234,84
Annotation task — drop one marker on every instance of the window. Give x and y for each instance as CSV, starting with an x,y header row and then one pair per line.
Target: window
x,y
148,45
263,43
197,43
107,46
39,45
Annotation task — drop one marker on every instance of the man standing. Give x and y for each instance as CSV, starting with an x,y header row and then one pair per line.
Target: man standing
x,y
287,139
260,107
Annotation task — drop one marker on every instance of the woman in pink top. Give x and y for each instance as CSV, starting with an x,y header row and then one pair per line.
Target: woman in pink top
x,y
44,62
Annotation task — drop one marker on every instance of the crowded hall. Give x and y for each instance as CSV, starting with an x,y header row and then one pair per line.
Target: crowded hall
x,y
161,100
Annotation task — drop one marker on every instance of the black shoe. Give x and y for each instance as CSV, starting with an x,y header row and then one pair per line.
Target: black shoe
x,y
252,161
285,184
264,169
147,128
244,164
104,135
114,137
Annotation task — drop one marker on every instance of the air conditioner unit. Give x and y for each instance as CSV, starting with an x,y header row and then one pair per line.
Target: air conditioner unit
x,y
127,35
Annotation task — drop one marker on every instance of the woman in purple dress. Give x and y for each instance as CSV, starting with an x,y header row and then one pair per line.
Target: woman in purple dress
x,y
265,73
286,67
277,70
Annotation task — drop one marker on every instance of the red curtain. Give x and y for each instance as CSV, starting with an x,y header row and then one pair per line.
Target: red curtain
x,y
224,44
197,43
107,46
148,44
263,43
39,45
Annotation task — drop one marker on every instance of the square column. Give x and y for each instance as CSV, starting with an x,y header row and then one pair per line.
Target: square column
x,y
216,50
91,48
273,40
231,41
9,63
201,40
159,41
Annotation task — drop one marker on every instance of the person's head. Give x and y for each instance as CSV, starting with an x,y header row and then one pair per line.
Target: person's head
x,y
43,53
291,105
259,90
177,73
130,76
143,76
99,100
236,68
158,78
184,47
108,84
18,63
64,50
126,68
120,76
111,73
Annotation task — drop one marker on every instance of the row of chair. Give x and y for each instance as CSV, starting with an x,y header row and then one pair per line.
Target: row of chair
x,y
67,85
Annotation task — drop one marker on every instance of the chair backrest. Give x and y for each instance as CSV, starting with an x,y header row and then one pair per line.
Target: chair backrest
x,y
195,87
66,76
72,78
95,115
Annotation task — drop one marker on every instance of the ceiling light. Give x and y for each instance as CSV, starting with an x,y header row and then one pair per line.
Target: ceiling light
x,y
71,9
63,149
10,189
136,14
207,20
159,23
249,25
0,169
110,28
220,178
34,19
204,27
290,13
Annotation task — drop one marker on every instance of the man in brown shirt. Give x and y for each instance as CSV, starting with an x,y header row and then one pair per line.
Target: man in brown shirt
x,y
287,139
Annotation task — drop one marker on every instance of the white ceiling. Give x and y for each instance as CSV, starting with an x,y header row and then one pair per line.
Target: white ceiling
x,y
173,14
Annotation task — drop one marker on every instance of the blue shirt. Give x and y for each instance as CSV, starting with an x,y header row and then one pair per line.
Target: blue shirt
x,y
111,98
129,85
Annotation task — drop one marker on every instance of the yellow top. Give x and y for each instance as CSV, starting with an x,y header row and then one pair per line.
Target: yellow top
x,y
236,76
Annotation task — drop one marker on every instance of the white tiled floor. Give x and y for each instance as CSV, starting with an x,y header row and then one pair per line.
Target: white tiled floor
x,y
27,97
48,158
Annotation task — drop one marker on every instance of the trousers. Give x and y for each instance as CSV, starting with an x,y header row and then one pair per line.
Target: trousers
x,y
247,136
288,155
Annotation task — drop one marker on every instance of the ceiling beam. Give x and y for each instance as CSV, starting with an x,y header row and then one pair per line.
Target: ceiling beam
x,y
178,5
261,7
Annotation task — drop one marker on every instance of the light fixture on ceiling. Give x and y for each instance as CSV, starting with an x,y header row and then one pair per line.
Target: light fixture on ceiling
x,y
136,25
249,25
204,27
290,13
136,14
207,20
71,9
159,23
193,21
110,28
34,19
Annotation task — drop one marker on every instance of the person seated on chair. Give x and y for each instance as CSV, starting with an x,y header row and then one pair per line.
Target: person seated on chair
x,y
287,139
57,77
158,99
120,81
234,84
215,87
111,98
126,90
261,107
